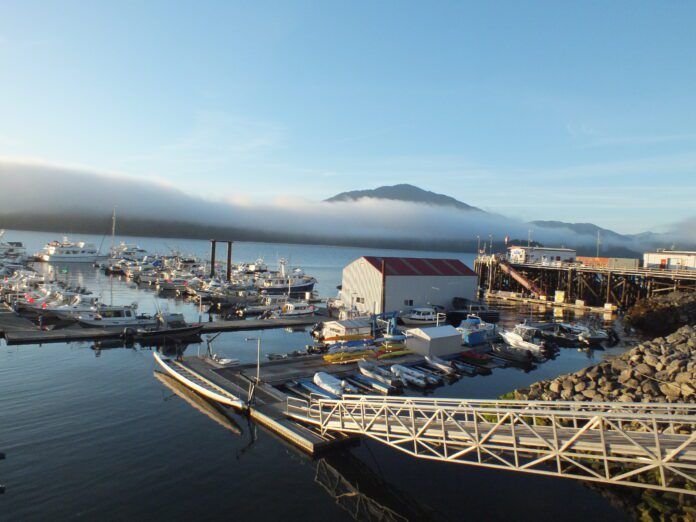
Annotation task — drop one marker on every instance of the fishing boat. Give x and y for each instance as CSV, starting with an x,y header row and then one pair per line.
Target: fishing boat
x,y
70,252
173,330
295,284
410,376
423,315
476,331
117,316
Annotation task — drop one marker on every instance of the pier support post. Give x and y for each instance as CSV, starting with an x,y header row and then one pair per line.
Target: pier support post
x,y
229,260
212,257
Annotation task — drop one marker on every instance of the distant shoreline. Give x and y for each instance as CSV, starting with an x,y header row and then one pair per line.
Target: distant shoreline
x,y
143,227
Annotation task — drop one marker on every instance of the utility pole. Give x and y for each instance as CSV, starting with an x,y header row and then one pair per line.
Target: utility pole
x,y
599,241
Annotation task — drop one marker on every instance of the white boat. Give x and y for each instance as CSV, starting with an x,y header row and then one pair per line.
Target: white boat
x,y
410,376
78,305
295,309
332,384
511,353
282,282
423,315
118,316
70,252
11,250
516,340
370,369
440,364
129,252
270,303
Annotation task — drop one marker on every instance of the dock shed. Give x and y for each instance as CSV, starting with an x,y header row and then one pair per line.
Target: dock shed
x,y
622,263
670,259
388,284
438,340
521,255
349,329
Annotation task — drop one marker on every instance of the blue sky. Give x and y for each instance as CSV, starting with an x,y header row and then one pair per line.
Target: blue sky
x,y
537,110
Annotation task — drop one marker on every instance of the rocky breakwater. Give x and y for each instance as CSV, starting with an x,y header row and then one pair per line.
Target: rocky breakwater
x,y
663,314
660,370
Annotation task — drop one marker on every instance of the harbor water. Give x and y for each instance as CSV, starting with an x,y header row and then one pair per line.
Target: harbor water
x,y
94,434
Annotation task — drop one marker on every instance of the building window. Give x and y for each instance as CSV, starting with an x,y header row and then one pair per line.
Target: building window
x,y
408,302
360,300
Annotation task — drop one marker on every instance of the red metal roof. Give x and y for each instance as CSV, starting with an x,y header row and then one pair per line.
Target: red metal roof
x,y
420,266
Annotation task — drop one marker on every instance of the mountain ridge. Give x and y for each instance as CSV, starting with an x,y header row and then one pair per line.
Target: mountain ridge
x,y
404,192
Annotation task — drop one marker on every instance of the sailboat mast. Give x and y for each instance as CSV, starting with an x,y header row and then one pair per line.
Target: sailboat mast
x,y
113,231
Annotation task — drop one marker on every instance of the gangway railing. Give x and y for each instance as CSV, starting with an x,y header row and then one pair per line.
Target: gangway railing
x,y
646,445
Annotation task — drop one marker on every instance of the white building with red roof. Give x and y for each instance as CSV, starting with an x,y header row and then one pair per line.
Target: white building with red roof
x,y
387,284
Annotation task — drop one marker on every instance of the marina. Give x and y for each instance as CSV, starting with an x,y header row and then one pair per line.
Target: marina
x,y
280,392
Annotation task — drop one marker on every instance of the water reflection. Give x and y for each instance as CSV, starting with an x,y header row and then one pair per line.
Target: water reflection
x,y
211,410
364,493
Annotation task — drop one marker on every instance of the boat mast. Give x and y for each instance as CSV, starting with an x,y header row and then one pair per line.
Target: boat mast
x,y
113,231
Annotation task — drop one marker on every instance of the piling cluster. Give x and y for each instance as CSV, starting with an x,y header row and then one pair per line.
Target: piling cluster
x,y
660,370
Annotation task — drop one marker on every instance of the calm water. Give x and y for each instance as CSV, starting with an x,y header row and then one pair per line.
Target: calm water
x,y
94,435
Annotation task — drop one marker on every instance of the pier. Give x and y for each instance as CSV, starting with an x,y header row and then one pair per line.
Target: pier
x,y
578,286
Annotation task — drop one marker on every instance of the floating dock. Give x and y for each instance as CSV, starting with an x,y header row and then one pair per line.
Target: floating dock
x,y
232,386
19,330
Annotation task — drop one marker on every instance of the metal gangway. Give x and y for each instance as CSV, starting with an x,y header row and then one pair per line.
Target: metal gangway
x,y
645,445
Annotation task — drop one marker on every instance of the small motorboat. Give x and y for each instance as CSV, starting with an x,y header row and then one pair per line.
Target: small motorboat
x,y
374,384
333,385
169,327
313,389
440,364
223,361
476,358
373,371
410,376
512,353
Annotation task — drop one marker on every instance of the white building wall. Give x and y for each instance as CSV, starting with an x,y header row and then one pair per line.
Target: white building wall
x,y
362,286
424,290
519,255
670,260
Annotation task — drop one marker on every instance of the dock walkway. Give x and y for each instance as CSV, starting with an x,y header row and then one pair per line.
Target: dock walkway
x,y
268,407
19,330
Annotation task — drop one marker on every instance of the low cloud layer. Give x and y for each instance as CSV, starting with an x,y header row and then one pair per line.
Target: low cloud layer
x,y
29,187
